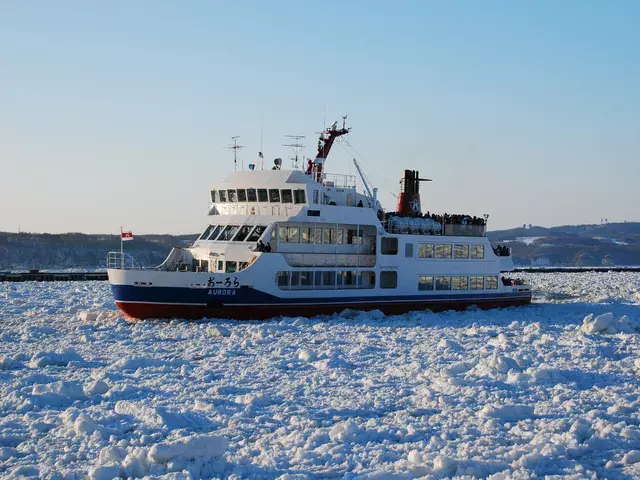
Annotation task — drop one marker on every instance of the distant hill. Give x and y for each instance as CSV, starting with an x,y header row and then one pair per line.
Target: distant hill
x,y
19,251
571,245
575,245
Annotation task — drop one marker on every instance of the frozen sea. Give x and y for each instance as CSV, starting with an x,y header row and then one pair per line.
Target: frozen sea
x,y
520,393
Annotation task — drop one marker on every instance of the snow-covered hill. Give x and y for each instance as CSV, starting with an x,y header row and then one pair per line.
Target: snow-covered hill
x,y
497,394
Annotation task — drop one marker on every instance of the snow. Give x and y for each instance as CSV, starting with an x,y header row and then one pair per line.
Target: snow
x,y
548,390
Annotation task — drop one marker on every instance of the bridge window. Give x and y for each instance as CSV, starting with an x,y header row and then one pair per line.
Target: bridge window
x,y
299,196
389,279
426,250
461,251
286,196
220,265
242,195
251,195
306,234
228,233
491,283
214,234
389,246
318,235
242,234
476,283
329,235
282,234
340,238
460,283
232,195
207,232
232,267
222,194
213,196
443,283
256,234
293,235
274,195
262,195
347,279
425,283
477,251
316,196
242,266
443,251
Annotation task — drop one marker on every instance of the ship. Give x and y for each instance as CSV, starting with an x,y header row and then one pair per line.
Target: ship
x,y
304,242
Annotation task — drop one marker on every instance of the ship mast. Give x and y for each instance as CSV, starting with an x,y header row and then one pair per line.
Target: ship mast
x,y
296,146
235,147
325,142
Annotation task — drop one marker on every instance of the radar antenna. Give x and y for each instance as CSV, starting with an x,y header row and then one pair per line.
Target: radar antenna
x,y
235,147
296,146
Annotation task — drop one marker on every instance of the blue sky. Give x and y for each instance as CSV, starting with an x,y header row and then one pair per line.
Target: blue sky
x,y
117,113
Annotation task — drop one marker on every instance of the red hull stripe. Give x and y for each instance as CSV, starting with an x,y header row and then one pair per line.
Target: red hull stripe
x,y
265,311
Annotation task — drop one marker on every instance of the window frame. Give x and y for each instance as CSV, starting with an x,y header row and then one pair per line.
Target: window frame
x,y
273,191
299,196
423,283
214,196
252,192
286,195
249,239
472,282
293,234
388,251
440,280
457,286
473,255
222,196
382,282
456,248
488,286
263,193
232,195
440,246
228,227
242,193
215,233
426,245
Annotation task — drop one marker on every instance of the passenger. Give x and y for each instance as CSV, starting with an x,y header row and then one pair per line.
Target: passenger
x,y
267,248
360,204
260,247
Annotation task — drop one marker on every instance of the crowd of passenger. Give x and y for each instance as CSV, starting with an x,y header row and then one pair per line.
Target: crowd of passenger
x,y
444,219
502,251
262,247
512,282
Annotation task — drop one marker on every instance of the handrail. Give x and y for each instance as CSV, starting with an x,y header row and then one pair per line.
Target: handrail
x,y
122,261
329,259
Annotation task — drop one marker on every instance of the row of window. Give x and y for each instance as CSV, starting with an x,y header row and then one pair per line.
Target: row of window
x,y
272,195
235,233
430,250
457,282
306,280
389,246
340,236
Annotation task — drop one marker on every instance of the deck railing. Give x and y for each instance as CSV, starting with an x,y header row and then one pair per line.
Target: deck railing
x,y
122,261
329,260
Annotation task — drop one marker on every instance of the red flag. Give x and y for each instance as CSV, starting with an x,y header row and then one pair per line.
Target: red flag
x,y
126,236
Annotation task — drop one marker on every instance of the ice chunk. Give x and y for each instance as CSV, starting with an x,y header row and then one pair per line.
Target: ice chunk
x,y
344,432
631,457
307,356
99,387
597,324
59,359
210,446
507,413
105,472
218,331
86,316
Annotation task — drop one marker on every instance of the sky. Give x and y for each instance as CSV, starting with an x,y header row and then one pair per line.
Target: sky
x,y
118,113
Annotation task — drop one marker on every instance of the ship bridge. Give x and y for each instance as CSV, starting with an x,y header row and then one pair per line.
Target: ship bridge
x,y
282,192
